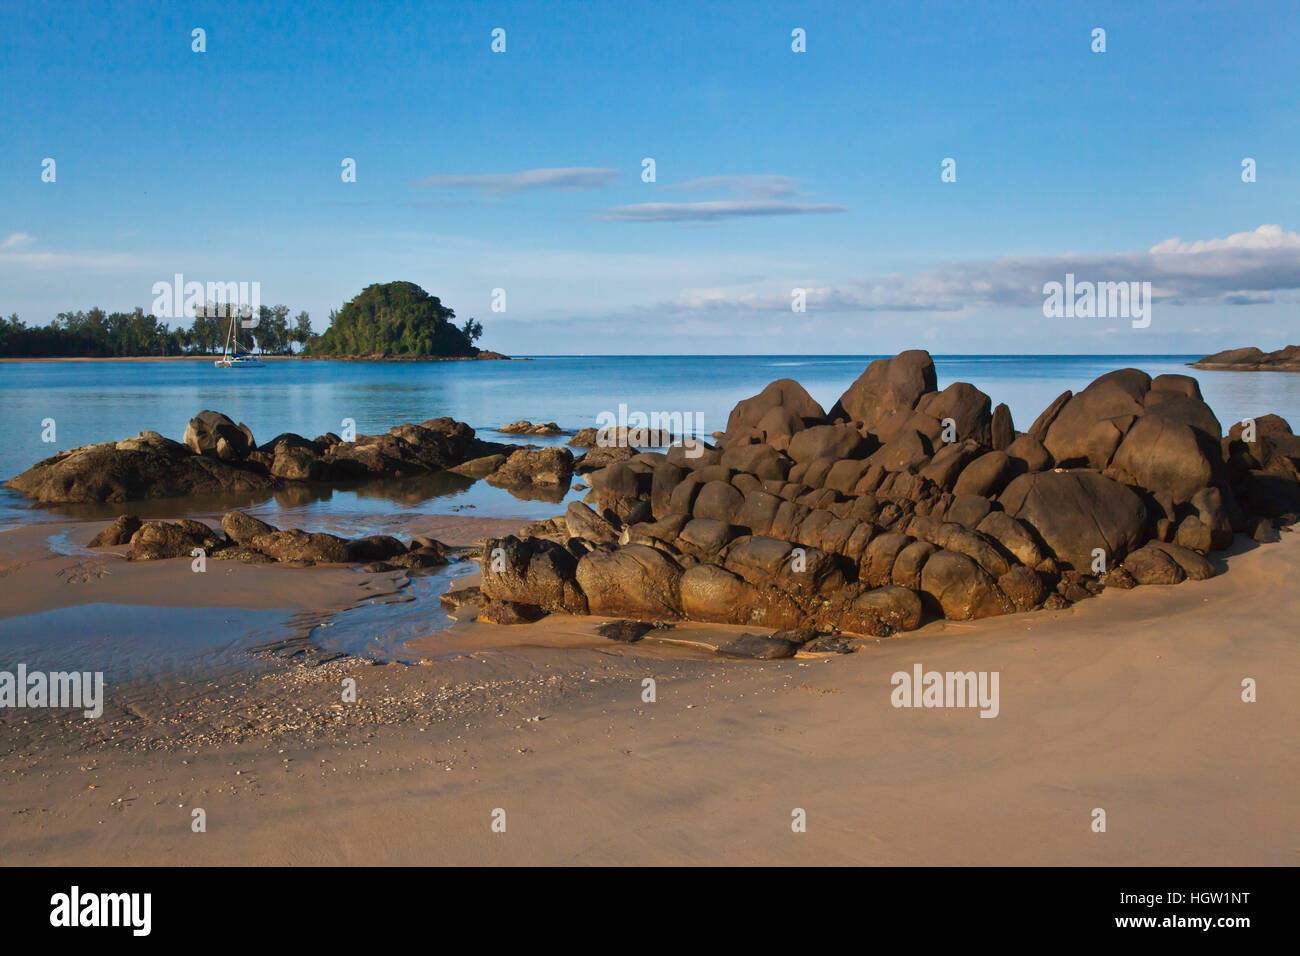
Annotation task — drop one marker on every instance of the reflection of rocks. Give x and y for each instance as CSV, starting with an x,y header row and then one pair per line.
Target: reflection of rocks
x,y
251,540
219,457
905,501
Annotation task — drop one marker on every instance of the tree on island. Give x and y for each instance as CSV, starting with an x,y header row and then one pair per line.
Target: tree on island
x,y
396,318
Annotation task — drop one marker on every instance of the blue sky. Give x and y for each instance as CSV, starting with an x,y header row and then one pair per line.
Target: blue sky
x,y
774,169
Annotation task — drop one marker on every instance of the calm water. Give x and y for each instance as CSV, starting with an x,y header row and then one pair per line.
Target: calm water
x,y
101,401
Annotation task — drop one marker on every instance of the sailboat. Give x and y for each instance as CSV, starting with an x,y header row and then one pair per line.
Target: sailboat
x,y
230,357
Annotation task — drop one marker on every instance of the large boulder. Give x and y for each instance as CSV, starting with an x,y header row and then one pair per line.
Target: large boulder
x,y
551,467
242,528
634,581
213,434
117,533
1113,395
1153,565
986,475
826,441
301,547
784,393
887,386
965,407
961,588
155,540
1075,512
1002,430
1165,456
1038,430
115,472
532,571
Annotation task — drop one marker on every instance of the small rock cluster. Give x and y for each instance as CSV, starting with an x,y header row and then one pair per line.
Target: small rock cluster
x,y
525,427
219,456
245,538
904,502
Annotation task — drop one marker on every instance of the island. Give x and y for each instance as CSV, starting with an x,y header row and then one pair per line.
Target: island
x,y
1251,359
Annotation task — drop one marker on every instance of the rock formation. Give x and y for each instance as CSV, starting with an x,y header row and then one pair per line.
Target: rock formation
x,y
904,502
245,538
1251,359
218,456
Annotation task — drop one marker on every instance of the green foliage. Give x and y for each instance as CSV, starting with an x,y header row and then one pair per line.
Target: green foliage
x,y
396,318
97,334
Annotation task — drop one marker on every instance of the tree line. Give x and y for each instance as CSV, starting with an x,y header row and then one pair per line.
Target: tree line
x,y
389,319
100,334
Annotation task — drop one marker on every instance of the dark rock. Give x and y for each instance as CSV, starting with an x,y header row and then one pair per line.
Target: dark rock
x,y
756,647
117,533
887,386
1118,578
552,467
625,632
1151,565
459,597
216,436
1076,512
1112,395
479,467
965,406
243,528
498,611
1002,431
155,540
783,393
522,427
532,571
1162,455
376,547
986,475
961,588
299,547
1024,587
1030,453
832,644
633,581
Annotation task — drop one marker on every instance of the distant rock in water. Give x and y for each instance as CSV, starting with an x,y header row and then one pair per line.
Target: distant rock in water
x,y
524,427
1251,359
904,503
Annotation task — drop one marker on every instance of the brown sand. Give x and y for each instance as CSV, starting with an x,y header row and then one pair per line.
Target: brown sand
x,y
1130,702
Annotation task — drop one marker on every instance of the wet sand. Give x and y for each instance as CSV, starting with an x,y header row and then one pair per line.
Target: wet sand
x,y
1130,702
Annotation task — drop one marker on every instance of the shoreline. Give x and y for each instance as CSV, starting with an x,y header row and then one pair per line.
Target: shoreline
x,y
547,721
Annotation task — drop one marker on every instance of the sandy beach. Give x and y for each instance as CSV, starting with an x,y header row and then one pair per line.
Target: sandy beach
x,y
1130,702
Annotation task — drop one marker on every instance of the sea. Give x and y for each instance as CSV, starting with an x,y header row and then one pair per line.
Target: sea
x,y
88,402
107,401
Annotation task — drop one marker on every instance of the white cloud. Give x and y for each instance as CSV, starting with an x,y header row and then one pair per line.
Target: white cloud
x,y
1265,237
713,211
760,185
16,240
568,178
1243,269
